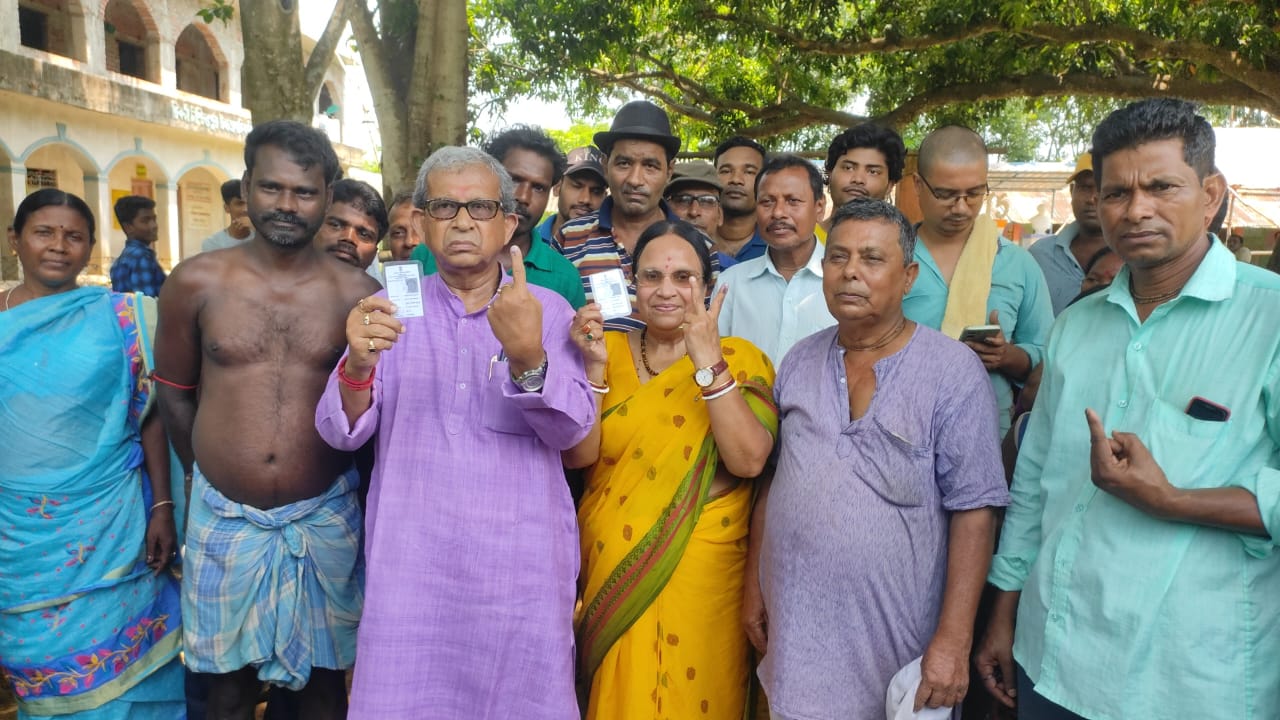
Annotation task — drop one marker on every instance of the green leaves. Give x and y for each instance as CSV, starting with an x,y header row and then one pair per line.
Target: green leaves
x,y
222,10
777,69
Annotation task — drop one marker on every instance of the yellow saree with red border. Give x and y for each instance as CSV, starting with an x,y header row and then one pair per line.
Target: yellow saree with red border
x,y
659,634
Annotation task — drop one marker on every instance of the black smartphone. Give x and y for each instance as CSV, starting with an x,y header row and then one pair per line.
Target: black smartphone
x,y
1202,409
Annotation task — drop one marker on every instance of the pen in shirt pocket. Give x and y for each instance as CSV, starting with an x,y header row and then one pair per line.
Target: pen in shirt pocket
x,y
500,357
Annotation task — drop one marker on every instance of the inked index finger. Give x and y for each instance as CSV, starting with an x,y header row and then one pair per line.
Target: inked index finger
x,y
517,267
1097,434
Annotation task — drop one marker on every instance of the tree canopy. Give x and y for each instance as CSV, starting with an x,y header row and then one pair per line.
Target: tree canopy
x,y
783,70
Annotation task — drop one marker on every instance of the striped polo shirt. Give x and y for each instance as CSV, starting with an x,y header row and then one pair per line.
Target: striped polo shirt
x,y
589,244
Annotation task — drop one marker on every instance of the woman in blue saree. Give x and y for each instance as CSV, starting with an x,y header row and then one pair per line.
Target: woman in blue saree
x,y
89,615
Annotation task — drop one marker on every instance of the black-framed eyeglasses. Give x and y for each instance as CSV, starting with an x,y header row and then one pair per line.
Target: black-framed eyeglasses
x,y
682,200
445,209
972,196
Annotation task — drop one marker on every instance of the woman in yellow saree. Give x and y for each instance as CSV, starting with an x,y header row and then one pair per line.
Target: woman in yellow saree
x,y
684,417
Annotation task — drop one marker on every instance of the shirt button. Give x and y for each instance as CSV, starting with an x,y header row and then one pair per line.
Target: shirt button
x,y
1123,403
842,381
462,386
1137,346
1079,507
464,351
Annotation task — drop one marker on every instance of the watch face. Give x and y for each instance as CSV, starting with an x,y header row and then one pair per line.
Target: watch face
x,y
704,377
533,384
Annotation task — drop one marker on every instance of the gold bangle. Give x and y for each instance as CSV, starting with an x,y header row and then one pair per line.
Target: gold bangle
x,y
161,504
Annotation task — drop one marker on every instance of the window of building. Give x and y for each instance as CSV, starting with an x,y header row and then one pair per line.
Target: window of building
x,y
38,178
33,26
198,65
133,59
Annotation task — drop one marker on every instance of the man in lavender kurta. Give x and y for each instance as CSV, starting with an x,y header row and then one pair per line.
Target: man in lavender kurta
x,y
878,524
470,540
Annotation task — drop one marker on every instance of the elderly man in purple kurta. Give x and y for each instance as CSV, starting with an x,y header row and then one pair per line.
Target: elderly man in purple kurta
x,y
471,541
878,524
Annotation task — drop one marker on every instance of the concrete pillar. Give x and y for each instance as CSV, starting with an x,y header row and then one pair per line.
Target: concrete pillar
x,y
97,193
13,187
169,245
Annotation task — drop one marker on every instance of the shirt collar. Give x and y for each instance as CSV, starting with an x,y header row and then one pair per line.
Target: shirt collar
x,y
538,257
1066,235
606,213
814,265
1213,280
135,242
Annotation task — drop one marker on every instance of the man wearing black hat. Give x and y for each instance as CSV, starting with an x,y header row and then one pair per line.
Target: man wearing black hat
x,y
580,192
639,148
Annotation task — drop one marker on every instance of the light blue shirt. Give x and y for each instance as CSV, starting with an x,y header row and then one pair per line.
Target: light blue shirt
x,y
1018,292
1062,272
769,312
1122,614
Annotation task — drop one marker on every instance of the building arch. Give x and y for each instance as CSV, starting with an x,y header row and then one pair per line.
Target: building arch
x,y
132,39
200,212
200,64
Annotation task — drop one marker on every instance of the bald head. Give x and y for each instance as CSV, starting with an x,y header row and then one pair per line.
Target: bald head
x,y
952,145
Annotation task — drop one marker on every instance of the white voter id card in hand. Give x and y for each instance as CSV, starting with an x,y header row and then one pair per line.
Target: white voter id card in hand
x,y
609,290
403,280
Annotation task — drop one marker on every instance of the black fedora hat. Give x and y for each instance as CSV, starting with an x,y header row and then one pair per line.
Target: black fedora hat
x,y
640,120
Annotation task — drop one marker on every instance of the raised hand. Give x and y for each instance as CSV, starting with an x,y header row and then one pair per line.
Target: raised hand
x,y
371,330
516,318
1122,466
587,332
702,327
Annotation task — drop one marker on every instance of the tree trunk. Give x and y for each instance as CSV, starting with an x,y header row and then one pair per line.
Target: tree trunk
x,y
272,75
447,76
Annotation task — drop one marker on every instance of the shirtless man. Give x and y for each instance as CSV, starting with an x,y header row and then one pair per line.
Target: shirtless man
x,y
274,526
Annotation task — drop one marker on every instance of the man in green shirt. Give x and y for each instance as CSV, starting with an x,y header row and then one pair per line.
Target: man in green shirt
x,y
535,164
1138,554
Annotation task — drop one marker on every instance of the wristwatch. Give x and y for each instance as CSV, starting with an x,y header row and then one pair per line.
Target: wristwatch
x,y
532,380
707,375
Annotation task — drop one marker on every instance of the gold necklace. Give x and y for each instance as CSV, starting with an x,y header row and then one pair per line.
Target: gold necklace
x,y
644,356
1151,299
888,337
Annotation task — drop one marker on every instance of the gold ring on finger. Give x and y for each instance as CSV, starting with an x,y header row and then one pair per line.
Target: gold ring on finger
x,y
365,321
360,305
372,349
590,337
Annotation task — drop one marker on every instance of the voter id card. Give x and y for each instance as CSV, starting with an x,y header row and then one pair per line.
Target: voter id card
x,y
403,280
609,290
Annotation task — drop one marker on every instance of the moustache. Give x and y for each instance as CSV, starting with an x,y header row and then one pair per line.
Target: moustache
x,y
289,218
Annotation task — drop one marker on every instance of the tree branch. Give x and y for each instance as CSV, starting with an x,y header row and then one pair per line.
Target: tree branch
x,y
321,56
1227,92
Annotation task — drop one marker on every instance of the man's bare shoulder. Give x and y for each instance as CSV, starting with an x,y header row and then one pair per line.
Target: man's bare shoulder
x,y
353,283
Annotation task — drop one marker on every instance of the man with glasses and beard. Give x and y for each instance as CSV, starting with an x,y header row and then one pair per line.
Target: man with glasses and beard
x,y
272,587
971,276
534,162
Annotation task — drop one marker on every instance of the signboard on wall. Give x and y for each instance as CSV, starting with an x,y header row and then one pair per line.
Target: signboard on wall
x,y
200,214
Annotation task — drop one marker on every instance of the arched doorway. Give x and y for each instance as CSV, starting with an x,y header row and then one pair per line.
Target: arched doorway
x,y
200,212
132,40
200,65
141,174
60,164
